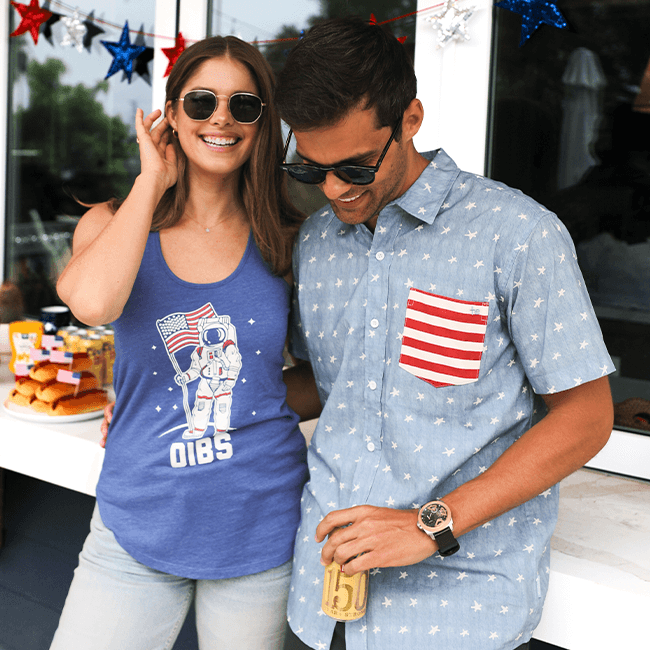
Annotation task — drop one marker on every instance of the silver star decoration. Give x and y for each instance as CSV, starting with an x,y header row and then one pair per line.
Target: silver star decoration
x,y
75,31
452,23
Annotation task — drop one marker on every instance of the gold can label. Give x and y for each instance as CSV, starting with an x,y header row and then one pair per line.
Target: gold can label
x,y
344,597
94,347
66,333
72,342
108,340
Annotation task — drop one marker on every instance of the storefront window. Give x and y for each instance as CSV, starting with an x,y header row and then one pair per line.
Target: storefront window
x,y
71,139
571,128
70,134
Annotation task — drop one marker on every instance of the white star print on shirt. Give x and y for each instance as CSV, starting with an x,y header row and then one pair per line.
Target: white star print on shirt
x,y
417,421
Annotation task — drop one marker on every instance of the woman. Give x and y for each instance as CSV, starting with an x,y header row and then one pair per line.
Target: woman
x,y
198,499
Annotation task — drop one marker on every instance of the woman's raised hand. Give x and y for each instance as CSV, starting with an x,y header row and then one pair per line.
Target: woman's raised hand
x,y
157,155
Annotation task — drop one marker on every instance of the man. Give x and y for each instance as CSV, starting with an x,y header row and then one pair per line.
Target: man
x,y
443,315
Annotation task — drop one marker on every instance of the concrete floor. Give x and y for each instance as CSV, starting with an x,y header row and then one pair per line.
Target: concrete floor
x,y
45,527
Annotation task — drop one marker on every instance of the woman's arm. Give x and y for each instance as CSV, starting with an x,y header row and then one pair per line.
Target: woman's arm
x,y
107,249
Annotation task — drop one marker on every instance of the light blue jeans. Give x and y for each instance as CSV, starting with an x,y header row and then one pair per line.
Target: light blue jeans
x,y
116,603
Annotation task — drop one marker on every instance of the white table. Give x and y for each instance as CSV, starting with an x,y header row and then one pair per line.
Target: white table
x,y
599,594
64,454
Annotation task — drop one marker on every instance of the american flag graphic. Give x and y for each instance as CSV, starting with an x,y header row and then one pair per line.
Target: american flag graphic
x,y
68,377
180,330
50,341
61,356
443,338
38,354
21,369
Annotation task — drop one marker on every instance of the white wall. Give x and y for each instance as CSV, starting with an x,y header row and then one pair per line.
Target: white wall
x,y
4,101
453,85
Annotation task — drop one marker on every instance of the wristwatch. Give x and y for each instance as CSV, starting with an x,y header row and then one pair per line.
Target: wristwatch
x,y
435,520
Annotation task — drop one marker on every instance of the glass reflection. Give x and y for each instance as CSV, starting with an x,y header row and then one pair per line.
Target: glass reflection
x,y
70,137
571,128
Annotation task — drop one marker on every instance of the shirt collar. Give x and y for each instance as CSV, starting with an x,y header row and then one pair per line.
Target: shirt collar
x,y
431,188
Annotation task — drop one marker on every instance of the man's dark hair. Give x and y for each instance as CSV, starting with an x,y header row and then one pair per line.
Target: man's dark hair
x,y
342,64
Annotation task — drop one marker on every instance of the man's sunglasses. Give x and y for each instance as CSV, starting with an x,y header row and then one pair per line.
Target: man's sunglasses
x,y
200,105
316,174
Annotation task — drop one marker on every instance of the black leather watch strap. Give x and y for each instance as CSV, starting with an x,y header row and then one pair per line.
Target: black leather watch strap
x,y
447,543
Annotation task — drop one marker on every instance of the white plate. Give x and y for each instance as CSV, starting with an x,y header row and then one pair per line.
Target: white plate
x,y
25,413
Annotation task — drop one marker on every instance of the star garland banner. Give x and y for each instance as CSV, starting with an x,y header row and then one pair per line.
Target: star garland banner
x,y
46,29
373,21
142,62
172,53
123,53
75,32
92,30
80,30
534,14
452,23
31,19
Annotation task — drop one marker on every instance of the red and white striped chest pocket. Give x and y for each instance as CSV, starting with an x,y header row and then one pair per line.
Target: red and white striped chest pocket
x,y
443,338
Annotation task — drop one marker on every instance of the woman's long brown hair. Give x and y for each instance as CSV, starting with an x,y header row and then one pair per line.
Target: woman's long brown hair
x,y
274,220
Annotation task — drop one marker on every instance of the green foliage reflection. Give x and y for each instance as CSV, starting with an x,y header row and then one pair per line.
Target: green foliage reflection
x,y
70,135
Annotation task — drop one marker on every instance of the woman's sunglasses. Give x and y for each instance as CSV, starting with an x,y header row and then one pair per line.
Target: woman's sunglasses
x,y
200,105
316,174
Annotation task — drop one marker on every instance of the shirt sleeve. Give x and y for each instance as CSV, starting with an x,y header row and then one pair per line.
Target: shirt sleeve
x,y
551,319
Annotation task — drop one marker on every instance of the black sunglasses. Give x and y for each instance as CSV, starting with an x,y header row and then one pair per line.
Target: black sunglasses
x,y
200,105
316,174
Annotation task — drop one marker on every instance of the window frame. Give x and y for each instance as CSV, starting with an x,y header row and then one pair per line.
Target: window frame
x,y
4,119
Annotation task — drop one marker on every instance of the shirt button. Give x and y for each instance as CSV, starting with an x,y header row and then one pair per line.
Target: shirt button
x,y
380,256
374,322
371,446
372,385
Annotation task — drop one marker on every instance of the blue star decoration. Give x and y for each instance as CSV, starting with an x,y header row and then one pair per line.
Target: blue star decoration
x,y
534,13
123,53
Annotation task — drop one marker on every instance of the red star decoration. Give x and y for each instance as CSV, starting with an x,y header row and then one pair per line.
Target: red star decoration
x,y
373,21
172,53
31,19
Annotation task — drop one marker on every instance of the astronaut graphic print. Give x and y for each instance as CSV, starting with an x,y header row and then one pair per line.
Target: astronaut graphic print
x,y
215,363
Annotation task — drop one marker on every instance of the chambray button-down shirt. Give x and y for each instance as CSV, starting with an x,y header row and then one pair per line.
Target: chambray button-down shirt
x,y
431,341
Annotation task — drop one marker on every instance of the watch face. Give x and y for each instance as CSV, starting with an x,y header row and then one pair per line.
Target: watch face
x,y
435,516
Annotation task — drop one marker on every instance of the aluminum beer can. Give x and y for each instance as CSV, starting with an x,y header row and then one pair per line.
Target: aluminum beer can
x,y
72,341
66,333
344,597
108,339
94,347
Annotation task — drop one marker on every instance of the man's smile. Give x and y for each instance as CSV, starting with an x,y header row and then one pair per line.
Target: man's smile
x,y
349,199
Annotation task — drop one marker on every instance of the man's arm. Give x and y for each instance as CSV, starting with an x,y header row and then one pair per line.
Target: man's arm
x,y
577,426
302,394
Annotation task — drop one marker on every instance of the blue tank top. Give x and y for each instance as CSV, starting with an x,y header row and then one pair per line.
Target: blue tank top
x,y
205,462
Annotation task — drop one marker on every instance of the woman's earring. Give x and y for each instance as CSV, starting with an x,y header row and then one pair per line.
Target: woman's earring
x,y
175,132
